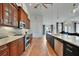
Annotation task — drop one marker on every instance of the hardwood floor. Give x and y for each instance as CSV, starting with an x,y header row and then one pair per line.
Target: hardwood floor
x,y
39,47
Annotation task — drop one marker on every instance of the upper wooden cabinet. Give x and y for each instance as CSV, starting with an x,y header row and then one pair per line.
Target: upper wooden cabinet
x,y
8,14
11,15
23,17
0,12
14,15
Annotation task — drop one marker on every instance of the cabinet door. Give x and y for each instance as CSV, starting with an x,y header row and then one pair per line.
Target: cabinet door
x,y
8,14
23,17
0,12
5,13
14,48
15,16
10,22
4,50
58,47
21,46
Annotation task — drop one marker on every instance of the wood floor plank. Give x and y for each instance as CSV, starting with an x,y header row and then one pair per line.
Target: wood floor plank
x,y
39,47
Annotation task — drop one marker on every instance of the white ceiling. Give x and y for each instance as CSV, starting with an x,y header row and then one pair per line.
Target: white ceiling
x,y
60,10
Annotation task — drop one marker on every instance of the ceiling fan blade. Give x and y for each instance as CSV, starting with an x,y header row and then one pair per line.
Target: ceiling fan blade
x,y
44,5
48,3
36,5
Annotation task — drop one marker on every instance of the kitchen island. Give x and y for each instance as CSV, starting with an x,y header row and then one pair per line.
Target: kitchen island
x,y
63,44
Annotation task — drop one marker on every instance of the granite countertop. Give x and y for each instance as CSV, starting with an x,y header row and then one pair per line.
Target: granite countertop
x,y
9,39
68,38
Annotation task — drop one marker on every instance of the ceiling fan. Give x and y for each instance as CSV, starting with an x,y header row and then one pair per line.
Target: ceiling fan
x,y
42,4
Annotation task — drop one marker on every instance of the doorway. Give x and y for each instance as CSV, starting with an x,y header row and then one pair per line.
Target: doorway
x,y
47,29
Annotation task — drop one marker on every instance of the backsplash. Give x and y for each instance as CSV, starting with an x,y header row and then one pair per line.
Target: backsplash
x,y
9,31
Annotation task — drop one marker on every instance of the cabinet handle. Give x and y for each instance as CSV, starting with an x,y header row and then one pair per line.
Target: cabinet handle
x,y
69,46
69,50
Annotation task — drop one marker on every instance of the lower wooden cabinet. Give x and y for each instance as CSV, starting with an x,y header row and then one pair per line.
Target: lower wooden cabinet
x,y
20,46
17,47
4,50
13,46
58,47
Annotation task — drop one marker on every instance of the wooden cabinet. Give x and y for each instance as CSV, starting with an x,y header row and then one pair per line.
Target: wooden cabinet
x,y
17,47
0,12
4,50
58,46
15,15
23,17
21,46
13,48
9,14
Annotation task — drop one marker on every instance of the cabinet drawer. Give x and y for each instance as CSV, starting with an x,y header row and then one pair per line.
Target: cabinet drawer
x,y
4,50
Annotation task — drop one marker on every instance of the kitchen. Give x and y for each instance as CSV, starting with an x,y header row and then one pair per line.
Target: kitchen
x,y
23,25
14,24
